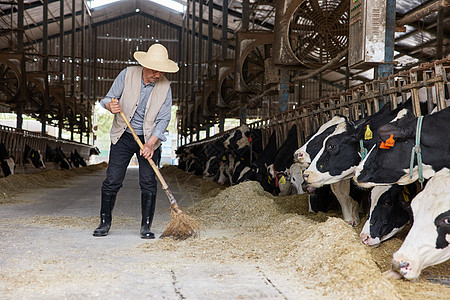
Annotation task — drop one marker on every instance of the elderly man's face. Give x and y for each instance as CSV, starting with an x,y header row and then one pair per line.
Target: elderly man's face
x,y
150,75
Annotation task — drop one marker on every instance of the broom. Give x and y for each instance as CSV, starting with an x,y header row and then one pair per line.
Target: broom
x,y
181,226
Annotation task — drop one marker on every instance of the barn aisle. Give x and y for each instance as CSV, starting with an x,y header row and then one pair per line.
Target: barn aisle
x,y
48,251
252,245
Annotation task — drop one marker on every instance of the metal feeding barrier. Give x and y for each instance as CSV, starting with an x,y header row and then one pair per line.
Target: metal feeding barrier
x,y
427,83
15,140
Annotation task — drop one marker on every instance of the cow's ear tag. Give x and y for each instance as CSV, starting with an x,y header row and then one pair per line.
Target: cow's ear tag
x,y
224,158
250,139
282,180
390,141
405,193
368,134
384,146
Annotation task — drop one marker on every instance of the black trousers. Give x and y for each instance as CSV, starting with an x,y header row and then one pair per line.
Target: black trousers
x,y
119,157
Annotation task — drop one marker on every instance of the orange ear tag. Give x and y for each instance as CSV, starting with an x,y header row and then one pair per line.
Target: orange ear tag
x,y
250,139
390,141
384,146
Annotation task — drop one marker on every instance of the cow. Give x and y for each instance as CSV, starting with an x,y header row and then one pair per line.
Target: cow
x,y
391,164
296,177
321,200
314,143
94,151
257,170
214,154
76,159
61,159
428,241
342,150
6,161
390,211
34,157
238,139
279,170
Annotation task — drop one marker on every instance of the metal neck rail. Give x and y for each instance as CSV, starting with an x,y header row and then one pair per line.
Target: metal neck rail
x,y
362,100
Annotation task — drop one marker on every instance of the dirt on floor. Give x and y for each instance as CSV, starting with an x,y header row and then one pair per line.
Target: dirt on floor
x,y
243,223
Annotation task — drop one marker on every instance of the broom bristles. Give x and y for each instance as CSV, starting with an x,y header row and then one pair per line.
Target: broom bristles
x,y
181,226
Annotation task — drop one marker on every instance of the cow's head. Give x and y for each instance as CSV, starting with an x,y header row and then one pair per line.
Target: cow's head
x,y
36,159
390,164
296,177
309,150
338,157
428,241
389,212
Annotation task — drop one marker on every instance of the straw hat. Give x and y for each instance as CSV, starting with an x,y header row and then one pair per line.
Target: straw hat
x,y
156,58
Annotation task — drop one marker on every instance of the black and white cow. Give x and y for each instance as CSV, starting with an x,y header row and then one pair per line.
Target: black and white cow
x,y
390,211
321,199
428,241
76,159
257,170
279,170
341,151
214,155
392,165
94,151
61,159
34,157
6,161
243,147
309,150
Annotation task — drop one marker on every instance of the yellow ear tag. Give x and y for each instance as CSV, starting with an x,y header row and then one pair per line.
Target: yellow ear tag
x,y
224,158
405,193
368,134
282,180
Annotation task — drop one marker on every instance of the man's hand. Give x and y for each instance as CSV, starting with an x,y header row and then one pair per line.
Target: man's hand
x,y
114,106
147,152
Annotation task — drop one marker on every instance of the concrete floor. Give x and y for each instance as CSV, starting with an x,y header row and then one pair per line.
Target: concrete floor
x,y
41,261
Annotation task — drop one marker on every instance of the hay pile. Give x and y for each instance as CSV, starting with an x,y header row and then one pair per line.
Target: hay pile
x,y
323,253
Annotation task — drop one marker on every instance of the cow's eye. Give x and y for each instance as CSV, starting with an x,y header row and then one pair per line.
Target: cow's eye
x,y
387,203
446,221
331,147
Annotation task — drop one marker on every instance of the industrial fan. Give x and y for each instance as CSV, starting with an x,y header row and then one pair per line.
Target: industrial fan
x,y
310,32
253,48
10,80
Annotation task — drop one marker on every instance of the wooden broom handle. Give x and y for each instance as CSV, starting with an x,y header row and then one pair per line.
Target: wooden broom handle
x,y
172,201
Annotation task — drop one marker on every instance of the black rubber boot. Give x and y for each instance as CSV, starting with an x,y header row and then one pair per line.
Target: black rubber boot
x,y
148,203
108,201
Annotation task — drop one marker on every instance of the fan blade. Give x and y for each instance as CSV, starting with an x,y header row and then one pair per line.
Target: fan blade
x,y
317,9
339,11
303,27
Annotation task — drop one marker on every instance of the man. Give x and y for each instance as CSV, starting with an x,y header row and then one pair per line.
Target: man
x,y
145,98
